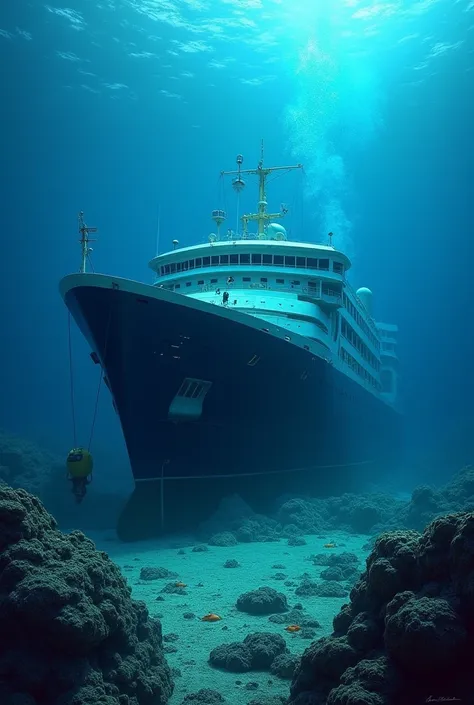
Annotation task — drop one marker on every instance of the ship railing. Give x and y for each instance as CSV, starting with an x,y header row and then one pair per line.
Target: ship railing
x,y
329,295
232,236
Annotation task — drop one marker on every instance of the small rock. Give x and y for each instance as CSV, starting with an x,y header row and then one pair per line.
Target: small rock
x,y
150,573
226,538
169,649
170,637
296,541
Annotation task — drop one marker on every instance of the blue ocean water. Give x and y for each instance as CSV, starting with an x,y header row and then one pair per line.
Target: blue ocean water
x,y
125,109
129,110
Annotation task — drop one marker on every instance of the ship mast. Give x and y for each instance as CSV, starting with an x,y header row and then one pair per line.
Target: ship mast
x,y
261,216
84,231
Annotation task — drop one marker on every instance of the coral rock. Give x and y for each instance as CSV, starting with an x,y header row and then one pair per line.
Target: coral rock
x,y
265,600
71,633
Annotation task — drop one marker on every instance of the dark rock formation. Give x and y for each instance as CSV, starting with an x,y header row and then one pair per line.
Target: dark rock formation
x,y
326,588
342,560
257,652
265,600
204,697
158,573
295,616
407,634
368,513
296,541
226,538
71,634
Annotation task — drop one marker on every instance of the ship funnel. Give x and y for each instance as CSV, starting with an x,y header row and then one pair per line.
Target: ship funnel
x,y
365,295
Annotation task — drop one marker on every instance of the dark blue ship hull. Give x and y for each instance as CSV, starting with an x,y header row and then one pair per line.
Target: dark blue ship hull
x,y
276,417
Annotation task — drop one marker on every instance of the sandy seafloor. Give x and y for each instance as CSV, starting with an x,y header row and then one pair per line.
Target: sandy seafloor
x,y
213,588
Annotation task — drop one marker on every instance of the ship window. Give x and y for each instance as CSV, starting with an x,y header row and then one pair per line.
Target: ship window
x,y
256,259
206,261
179,266
167,269
312,285
289,261
224,259
323,264
245,279
263,279
162,271
244,259
191,264
301,261
327,288
185,266
312,263
338,267
172,268
278,259
198,262
295,283
177,286
280,281
213,281
234,259
201,282
267,259
188,283
215,260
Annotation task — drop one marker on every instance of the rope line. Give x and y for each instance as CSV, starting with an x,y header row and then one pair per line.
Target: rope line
x,y
253,474
71,380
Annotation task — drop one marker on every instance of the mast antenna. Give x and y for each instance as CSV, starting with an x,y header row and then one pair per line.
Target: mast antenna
x,y
158,232
261,216
84,231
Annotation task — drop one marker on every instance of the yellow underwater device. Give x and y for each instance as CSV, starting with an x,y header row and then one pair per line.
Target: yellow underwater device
x,y
79,466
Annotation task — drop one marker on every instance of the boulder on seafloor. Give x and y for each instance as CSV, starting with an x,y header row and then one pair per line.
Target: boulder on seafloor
x,y
261,651
407,634
264,600
71,633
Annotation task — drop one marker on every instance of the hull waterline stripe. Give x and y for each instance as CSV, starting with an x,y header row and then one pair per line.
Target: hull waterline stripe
x,y
252,474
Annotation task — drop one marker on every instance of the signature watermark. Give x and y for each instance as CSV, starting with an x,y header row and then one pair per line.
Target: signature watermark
x,y
442,699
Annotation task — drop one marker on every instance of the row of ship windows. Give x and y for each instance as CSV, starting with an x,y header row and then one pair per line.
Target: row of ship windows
x,y
253,259
358,318
312,285
349,334
358,369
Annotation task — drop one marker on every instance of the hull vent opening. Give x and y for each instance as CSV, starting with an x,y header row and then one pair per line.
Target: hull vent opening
x,y
188,400
253,360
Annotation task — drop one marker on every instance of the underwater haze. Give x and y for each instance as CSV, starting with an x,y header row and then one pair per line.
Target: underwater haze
x,y
129,109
